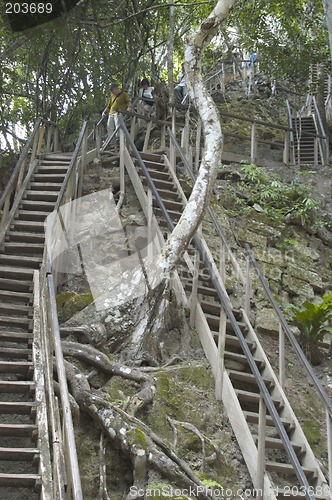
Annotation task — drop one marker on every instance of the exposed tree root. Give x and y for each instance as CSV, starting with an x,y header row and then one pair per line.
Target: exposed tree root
x,y
137,441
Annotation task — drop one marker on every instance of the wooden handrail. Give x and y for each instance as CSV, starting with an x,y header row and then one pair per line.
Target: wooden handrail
x,y
18,165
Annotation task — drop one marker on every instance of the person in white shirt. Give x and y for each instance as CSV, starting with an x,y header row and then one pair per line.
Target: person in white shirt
x,y
180,90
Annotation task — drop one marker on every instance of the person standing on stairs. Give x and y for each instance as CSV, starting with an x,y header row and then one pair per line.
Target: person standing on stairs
x,y
119,101
146,97
180,90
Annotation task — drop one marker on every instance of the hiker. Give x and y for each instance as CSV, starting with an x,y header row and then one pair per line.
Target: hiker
x,y
146,98
145,92
119,101
180,90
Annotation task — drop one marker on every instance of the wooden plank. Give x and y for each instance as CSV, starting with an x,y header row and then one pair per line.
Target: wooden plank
x,y
40,397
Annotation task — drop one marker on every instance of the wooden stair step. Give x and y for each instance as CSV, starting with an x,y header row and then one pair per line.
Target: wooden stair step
x,y
233,341
18,337
20,261
241,358
277,444
15,297
13,353
29,226
15,322
20,480
288,469
16,309
21,367
18,273
18,430
155,172
16,285
37,206
175,216
41,195
202,290
20,454
32,215
170,205
24,237
162,184
18,408
248,378
52,178
170,195
253,418
45,186
253,397
26,248
155,157
52,169
17,386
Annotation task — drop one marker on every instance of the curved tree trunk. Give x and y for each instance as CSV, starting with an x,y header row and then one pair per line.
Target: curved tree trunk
x,y
207,110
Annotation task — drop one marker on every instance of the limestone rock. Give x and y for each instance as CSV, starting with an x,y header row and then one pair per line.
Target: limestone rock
x,y
266,321
297,286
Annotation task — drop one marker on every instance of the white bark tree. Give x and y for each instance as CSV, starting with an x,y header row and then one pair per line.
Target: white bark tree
x,y
192,216
327,4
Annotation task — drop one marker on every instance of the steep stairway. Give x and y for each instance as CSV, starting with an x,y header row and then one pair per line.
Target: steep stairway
x,y
305,147
241,394
21,460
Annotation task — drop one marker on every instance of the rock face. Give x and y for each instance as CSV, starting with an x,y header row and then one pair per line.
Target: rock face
x,y
295,264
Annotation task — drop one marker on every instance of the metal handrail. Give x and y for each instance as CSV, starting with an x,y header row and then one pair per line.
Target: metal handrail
x,y
228,310
225,302
324,397
210,210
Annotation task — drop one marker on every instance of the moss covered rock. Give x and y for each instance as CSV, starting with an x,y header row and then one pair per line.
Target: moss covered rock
x,y
69,303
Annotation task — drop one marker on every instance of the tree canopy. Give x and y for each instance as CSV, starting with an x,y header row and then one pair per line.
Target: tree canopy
x,y
62,69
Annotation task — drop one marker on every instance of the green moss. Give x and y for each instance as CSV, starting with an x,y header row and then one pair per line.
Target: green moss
x,y
311,429
69,303
137,438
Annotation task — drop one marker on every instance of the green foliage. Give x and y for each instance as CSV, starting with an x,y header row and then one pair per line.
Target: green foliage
x,y
254,174
278,199
312,319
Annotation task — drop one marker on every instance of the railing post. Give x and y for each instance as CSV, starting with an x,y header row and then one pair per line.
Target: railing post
x,y
282,372
261,449
222,261
163,136
286,148
248,287
253,149
329,445
316,147
172,147
40,141
82,165
193,297
98,139
221,354
122,168
222,79
56,140
49,138
147,136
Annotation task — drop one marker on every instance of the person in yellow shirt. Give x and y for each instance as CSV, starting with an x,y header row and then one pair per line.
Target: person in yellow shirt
x,y
119,101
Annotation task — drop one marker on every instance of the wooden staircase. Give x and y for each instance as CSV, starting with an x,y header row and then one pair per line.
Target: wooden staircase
x,y
241,392
21,449
305,147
